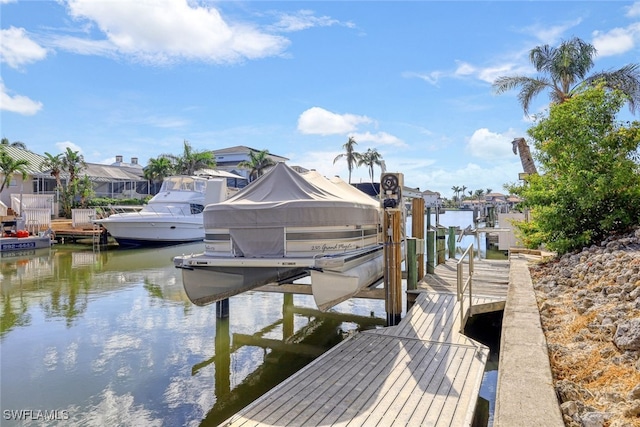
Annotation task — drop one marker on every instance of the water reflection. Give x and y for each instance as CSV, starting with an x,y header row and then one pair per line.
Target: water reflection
x,y
111,338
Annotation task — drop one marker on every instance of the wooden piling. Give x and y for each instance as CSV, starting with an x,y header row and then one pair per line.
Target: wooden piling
x,y
431,244
417,230
412,265
440,245
452,242
393,265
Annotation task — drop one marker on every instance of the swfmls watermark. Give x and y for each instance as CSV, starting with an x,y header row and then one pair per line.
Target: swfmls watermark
x,y
35,415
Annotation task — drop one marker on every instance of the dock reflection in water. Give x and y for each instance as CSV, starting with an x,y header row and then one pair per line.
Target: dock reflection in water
x,y
110,338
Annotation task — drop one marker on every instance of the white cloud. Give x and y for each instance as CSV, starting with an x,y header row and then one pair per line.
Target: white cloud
x,y
464,69
166,31
379,138
488,145
431,78
550,35
616,41
18,103
318,121
17,49
304,19
633,11
62,146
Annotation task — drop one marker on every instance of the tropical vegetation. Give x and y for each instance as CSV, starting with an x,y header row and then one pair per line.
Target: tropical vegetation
x,y
258,162
563,71
370,158
185,164
351,155
9,167
76,190
589,185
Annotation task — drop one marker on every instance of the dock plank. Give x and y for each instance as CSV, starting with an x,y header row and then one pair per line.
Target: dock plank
x,y
420,372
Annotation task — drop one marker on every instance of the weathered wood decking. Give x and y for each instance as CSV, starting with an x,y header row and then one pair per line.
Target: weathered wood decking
x,y
421,372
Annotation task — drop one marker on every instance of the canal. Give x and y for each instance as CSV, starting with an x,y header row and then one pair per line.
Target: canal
x,y
110,338
95,338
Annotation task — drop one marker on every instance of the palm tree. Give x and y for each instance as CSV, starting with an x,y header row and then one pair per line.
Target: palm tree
x,y
489,190
462,190
456,191
10,166
370,159
566,69
257,163
478,194
53,163
158,169
350,154
191,160
73,163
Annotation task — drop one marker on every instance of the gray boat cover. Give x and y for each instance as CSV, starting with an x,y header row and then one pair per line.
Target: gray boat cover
x,y
257,215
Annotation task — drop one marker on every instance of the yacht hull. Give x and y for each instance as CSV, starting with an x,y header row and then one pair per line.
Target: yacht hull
x,y
154,231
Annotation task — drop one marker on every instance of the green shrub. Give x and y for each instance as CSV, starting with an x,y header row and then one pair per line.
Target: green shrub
x,y
589,185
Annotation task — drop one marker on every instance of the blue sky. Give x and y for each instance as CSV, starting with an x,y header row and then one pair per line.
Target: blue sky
x,y
410,79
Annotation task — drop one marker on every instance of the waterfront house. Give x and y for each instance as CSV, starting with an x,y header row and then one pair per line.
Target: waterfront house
x,y
39,189
228,159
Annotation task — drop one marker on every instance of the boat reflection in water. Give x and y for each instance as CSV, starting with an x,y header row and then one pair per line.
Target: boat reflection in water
x,y
116,332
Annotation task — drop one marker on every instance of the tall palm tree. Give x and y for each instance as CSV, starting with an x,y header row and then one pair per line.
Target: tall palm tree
x,y
462,190
191,160
370,159
456,191
72,162
350,154
564,71
53,163
257,163
10,166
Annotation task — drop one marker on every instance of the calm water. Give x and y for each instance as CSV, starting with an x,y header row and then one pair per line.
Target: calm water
x,y
110,338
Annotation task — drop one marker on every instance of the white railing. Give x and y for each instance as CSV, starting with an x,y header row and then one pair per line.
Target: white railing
x,y
39,219
463,284
32,201
81,217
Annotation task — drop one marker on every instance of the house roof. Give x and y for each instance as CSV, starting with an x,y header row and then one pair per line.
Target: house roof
x,y
95,171
242,149
108,173
35,160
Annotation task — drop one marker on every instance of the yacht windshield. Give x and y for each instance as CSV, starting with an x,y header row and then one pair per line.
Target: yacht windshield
x,y
183,183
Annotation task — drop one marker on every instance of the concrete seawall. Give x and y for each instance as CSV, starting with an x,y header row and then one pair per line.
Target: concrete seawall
x,y
525,391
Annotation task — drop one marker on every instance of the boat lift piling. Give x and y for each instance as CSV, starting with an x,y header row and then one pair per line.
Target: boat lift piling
x,y
391,202
417,231
393,268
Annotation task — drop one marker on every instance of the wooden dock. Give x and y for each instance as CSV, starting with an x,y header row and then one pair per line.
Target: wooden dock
x,y
421,372
64,230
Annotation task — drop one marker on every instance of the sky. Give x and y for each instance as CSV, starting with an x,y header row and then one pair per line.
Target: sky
x,y
411,79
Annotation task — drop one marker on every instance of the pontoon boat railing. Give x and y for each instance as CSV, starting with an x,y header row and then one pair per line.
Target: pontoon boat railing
x,y
463,285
